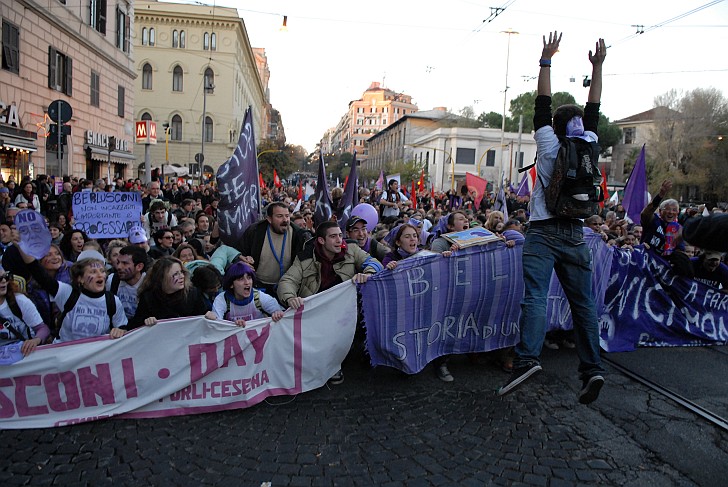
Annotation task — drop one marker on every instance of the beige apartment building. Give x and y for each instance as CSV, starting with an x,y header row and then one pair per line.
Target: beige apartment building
x,y
197,73
377,108
79,52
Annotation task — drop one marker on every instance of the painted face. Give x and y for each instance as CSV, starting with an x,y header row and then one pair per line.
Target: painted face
x,y
174,280
77,242
359,233
52,260
125,267
243,286
408,241
94,277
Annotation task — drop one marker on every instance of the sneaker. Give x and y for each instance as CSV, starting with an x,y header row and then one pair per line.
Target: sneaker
x,y
518,376
443,373
590,392
568,344
550,345
337,378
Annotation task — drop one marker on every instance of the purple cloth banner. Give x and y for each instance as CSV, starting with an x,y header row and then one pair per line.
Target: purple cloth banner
x,y
431,306
635,192
523,189
350,197
646,304
238,184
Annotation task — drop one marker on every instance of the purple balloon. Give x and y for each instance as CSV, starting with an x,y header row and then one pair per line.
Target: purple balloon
x,y
368,213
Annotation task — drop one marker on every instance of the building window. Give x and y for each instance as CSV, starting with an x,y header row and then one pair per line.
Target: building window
x,y
145,36
182,39
519,159
152,36
177,79
465,156
209,79
175,38
95,89
213,42
97,15
120,103
206,41
122,30
175,130
60,72
147,76
490,158
208,129
11,48
629,135
146,116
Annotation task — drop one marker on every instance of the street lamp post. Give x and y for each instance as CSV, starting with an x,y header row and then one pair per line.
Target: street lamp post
x,y
448,154
505,95
207,87
486,153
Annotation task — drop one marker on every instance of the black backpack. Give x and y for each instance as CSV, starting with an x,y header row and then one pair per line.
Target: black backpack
x,y
18,313
575,188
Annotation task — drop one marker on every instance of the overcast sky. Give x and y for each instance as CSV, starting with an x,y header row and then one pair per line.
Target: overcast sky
x,y
442,53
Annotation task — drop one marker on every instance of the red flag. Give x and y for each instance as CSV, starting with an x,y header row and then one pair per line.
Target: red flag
x,y
346,180
604,187
260,180
414,196
532,175
300,190
421,183
276,179
476,184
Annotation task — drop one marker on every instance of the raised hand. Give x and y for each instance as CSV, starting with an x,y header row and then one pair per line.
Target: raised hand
x,y
552,46
599,54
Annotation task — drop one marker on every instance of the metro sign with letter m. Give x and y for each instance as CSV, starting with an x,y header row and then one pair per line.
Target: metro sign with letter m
x,y
146,132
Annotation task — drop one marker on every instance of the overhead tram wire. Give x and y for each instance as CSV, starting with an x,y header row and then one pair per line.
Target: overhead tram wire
x,y
665,22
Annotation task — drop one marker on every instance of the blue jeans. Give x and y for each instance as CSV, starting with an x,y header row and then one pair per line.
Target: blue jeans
x,y
558,245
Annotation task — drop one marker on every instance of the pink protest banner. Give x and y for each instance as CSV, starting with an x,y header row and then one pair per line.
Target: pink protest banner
x,y
178,367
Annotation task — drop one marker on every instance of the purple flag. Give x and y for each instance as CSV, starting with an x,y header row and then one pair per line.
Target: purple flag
x,y
239,188
635,192
351,196
323,210
523,186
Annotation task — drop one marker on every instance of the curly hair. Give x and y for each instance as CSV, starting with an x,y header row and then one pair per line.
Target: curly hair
x,y
156,276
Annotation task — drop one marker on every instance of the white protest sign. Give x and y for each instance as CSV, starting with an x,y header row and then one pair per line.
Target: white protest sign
x,y
106,214
203,366
35,238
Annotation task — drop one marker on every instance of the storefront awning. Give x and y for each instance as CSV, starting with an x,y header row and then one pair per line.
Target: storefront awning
x,y
117,157
8,142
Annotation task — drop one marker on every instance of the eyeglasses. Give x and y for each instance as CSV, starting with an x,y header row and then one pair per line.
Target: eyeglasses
x,y
168,237
6,277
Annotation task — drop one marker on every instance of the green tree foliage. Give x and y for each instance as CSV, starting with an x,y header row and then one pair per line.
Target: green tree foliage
x,y
285,160
688,144
408,171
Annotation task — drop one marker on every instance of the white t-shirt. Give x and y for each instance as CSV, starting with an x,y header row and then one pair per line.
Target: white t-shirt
x,y
127,294
31,318
89,318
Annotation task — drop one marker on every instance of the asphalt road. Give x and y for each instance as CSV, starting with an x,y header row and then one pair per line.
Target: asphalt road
x,y
383,428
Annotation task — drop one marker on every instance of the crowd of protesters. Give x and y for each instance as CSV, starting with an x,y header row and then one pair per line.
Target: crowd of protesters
x,y
174,264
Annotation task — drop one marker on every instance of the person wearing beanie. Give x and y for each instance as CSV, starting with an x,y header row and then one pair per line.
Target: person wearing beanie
x,y
240,301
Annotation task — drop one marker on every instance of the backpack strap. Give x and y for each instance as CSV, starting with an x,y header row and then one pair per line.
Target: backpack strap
x,y
115,281
70,303
110,307
256,299
18,313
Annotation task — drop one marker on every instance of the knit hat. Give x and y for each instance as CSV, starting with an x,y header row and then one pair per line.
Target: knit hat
x,y
235,271
91,254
